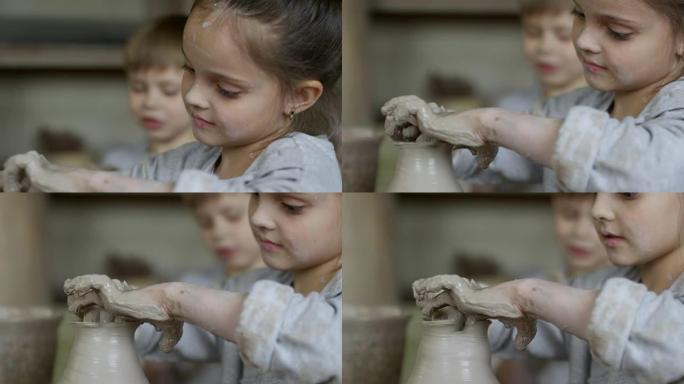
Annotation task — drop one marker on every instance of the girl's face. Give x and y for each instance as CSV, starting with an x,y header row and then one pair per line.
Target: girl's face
x,y
576,233
638,228
547,43
232,101
224,225
297,231
625,45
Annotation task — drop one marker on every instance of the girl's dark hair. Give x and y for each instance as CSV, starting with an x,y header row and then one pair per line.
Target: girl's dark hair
x,y
673,9
303,42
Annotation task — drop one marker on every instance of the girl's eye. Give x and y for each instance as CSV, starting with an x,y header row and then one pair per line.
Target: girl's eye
x,y
293,209
619,36
187,68
227,94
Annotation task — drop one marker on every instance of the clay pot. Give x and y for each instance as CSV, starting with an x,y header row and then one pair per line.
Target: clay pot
x,y
373,344
103,354
28,338
447,355
424,167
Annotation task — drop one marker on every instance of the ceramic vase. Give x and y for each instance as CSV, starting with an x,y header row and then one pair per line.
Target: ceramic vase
x,y
103,354
424,167
449,355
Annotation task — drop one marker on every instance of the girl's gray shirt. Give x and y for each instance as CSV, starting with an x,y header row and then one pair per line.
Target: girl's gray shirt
x,y
634,335
296,162
596,153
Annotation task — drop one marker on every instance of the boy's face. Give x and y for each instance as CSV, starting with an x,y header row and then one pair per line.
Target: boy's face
x,y
625,45
576,232
638,228
233,102
225,229
547,43
154,97
297,231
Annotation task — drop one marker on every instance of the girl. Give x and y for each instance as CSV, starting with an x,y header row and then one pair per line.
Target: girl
x,y
624,133
619,325
260,84
287,333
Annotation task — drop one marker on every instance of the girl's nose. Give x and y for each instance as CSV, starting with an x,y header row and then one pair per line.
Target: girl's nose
x,y
194,97
585,40
602,210
260,217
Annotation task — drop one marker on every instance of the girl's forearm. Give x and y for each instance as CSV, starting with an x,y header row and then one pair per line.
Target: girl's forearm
x,y
531,136
214,310
83,180
566,307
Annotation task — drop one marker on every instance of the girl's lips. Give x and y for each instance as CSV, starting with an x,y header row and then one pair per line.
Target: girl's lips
x,y
611,241
151,124
269,246
593,67
201,123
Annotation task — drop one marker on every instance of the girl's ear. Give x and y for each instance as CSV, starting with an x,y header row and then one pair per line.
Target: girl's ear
x,y
305,95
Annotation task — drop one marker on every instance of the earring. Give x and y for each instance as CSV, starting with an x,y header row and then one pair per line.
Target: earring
x,y
291,116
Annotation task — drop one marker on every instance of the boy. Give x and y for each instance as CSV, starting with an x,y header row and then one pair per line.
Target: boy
x,y
154,68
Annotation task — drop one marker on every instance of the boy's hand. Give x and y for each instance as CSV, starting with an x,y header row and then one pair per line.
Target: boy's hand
x,y
117,298
471,298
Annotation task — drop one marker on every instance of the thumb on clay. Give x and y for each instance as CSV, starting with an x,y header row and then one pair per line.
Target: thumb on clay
x,y
526,329
172,332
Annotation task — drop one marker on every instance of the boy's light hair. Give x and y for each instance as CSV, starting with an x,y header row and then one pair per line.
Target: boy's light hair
x,y
528,7
156,45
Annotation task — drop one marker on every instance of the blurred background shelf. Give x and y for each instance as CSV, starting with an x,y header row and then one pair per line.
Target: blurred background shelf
x,y
449,7
61,57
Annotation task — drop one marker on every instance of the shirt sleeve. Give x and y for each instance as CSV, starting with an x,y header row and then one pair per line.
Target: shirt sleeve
x,y
195,345
297,336
595,152
548,343
639,332
507,166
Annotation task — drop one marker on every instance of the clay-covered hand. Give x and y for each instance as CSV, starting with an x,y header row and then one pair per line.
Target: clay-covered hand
x,y
31,171
116,297
462,130
401,122
471,298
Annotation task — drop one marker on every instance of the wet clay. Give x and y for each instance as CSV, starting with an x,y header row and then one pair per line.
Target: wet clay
x,y
401,123
404,114
454,353
103,353
474,301
99,298
424,167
